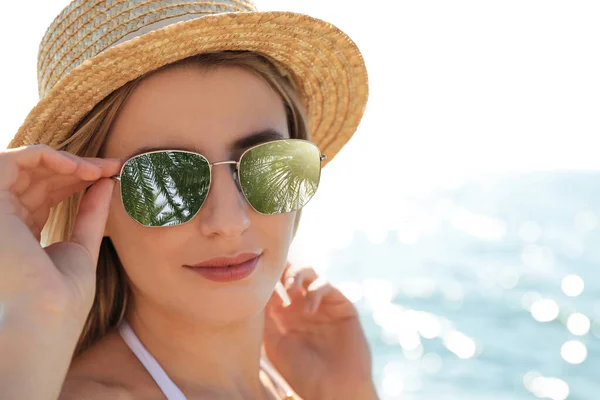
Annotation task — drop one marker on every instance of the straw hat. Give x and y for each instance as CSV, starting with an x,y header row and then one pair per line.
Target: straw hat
x,y
94,47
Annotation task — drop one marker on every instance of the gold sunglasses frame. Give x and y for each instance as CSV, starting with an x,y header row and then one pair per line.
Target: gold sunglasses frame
x,y
322,158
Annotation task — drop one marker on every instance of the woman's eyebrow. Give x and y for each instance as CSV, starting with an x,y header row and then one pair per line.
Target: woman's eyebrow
x,y
254,138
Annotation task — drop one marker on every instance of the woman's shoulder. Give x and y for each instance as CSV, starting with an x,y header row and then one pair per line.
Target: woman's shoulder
x,y
107,370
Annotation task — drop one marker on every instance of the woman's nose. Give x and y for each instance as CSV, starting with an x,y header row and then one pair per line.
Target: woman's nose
x,y
225,210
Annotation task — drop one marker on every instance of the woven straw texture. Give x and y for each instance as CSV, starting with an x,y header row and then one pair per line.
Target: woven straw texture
x,y
94,47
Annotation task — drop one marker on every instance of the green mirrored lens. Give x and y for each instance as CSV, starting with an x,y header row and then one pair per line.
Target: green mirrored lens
x,y
164,188
280,176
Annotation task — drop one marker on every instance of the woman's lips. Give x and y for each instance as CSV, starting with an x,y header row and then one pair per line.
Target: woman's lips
x,y
229,273
227,261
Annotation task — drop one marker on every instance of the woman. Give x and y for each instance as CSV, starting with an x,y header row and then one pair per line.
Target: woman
x,y
167,162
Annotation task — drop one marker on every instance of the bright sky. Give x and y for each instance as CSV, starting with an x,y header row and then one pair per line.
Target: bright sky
x,y
457,88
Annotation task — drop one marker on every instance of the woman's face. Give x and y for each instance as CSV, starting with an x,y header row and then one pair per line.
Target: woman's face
x,y
188,107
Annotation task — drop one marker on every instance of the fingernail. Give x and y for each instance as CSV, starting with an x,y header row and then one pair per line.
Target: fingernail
x,y
289,282
283,295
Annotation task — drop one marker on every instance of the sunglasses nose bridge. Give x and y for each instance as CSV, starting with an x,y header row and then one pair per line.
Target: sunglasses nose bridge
x,y
223,213
235,171
224,162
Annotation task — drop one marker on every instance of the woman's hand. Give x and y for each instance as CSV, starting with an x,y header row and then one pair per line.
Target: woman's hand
x,y
317,342
58,280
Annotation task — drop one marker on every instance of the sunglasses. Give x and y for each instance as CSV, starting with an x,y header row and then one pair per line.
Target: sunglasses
x,y
168,187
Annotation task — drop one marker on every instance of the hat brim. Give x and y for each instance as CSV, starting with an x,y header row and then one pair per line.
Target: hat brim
x,y
325,64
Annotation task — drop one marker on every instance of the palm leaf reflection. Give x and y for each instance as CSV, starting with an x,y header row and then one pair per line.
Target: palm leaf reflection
x,y
164,188
280,176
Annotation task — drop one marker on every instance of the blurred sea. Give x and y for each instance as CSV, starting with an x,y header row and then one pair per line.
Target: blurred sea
x,y
489,291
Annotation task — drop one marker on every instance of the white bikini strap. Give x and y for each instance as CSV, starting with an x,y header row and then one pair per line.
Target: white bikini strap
x,y
170,390
166,385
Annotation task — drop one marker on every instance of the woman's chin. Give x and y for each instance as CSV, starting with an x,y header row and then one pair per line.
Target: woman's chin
x,y
226,309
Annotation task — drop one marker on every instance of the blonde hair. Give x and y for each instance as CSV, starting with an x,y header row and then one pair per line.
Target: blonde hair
x,y
88,139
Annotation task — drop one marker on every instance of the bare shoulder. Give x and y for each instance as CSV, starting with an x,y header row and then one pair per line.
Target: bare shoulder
x,y
107,370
